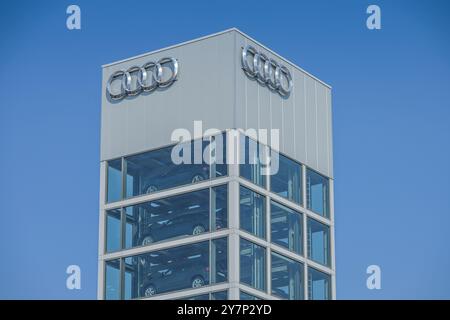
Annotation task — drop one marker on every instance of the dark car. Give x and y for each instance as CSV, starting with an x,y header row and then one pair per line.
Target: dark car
x,y
182,224
181,274
176,175
187,222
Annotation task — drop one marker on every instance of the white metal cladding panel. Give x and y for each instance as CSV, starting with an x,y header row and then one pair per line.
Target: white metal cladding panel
x,y
203,91
257,106
277,116
264,97
330,131
300,116
322,135
303,119
311,133
252,105
289,142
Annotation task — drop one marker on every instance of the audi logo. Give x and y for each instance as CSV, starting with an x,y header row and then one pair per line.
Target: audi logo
x,y
149,77
266,71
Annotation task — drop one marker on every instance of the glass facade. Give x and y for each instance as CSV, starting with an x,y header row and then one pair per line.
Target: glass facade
x,y
287,278
112,280
253,265
319,285
173,217
220,295
247,296
286,227
183,237
252,212
154,171
287,182
169,218
113,230
318,242
114,179
201,297
167,168
317,193
252,160
189,266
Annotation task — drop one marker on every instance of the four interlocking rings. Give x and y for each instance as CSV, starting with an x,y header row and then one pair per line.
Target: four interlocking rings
x,y
145,82
267,71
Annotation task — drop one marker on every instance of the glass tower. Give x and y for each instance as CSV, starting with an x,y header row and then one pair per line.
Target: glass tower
x,y
219,225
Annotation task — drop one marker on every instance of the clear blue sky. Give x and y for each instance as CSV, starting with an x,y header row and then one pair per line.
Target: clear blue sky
x,y
391,101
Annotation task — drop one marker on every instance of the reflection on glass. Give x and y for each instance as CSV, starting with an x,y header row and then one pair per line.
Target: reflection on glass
x,y
199,297
286,227
169,167
176,268
176,216
318,242
317,193
218,160
247,296
130,281
219,260
113,228
319,285
219,207
169,218
153,171
252,158
287,278
220,295
252,212
112,280
253,265
114,188
173,269
288,181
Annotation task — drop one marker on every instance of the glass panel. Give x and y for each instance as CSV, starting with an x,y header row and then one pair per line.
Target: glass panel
x,y
130,280
252,212
113,230
219,207
112,280
318,242
286,227
153,171
251,161
114,188
171,269
128,284
319,285
253,265
221,295
247,296
317,193
288,180
176,268
219,166
287,278
131,229
199,297
219,260
168,218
